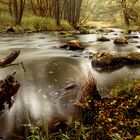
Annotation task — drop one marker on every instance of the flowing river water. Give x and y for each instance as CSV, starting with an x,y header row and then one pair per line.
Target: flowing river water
x,y
49,69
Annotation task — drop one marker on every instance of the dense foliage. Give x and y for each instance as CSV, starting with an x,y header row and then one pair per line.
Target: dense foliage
x,y
74,12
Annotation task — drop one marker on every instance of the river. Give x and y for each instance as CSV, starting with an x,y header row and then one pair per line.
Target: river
x,y
49,69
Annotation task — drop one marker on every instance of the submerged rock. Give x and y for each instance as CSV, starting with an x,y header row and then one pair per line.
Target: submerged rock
x,y
120,41
103,39
72,45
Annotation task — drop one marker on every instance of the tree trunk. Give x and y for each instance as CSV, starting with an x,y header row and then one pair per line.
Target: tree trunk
x,y
126,17
18,8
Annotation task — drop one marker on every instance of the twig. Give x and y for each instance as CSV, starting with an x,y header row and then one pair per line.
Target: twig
x,y
14,64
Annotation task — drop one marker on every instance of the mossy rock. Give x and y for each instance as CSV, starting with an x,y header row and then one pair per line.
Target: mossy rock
x,y
132,58
73,45
63,33
106,60
120,41
103,30
103,39
84,31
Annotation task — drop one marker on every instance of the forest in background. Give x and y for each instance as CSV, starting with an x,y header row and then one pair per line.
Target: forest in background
x,y
53,14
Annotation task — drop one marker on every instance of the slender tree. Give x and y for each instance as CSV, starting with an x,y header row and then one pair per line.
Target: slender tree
x,y
17,8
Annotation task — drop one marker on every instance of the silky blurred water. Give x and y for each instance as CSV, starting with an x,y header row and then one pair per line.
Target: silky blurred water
x,y
49,70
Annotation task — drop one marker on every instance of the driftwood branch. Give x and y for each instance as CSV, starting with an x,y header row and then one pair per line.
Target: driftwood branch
x,y
7,61
14,64
9,86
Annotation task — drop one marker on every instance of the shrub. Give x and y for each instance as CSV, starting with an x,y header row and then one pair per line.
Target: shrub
x,y
5,19
38,23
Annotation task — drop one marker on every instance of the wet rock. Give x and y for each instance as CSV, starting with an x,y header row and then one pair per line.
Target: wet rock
x,y
103,39
63,33
73,45
115,34
120,41
10,30
91,42
129,31
103,30
42,37
66,33
84,31
131,36
132,58
74,55
128,37
133,41
106,60
135,36
138,46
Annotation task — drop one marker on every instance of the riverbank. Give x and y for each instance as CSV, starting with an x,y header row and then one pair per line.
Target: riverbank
x,y
32,23
112,118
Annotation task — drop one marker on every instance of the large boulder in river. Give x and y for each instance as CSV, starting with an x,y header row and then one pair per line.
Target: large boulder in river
x,y
105,60
72,45
120,41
